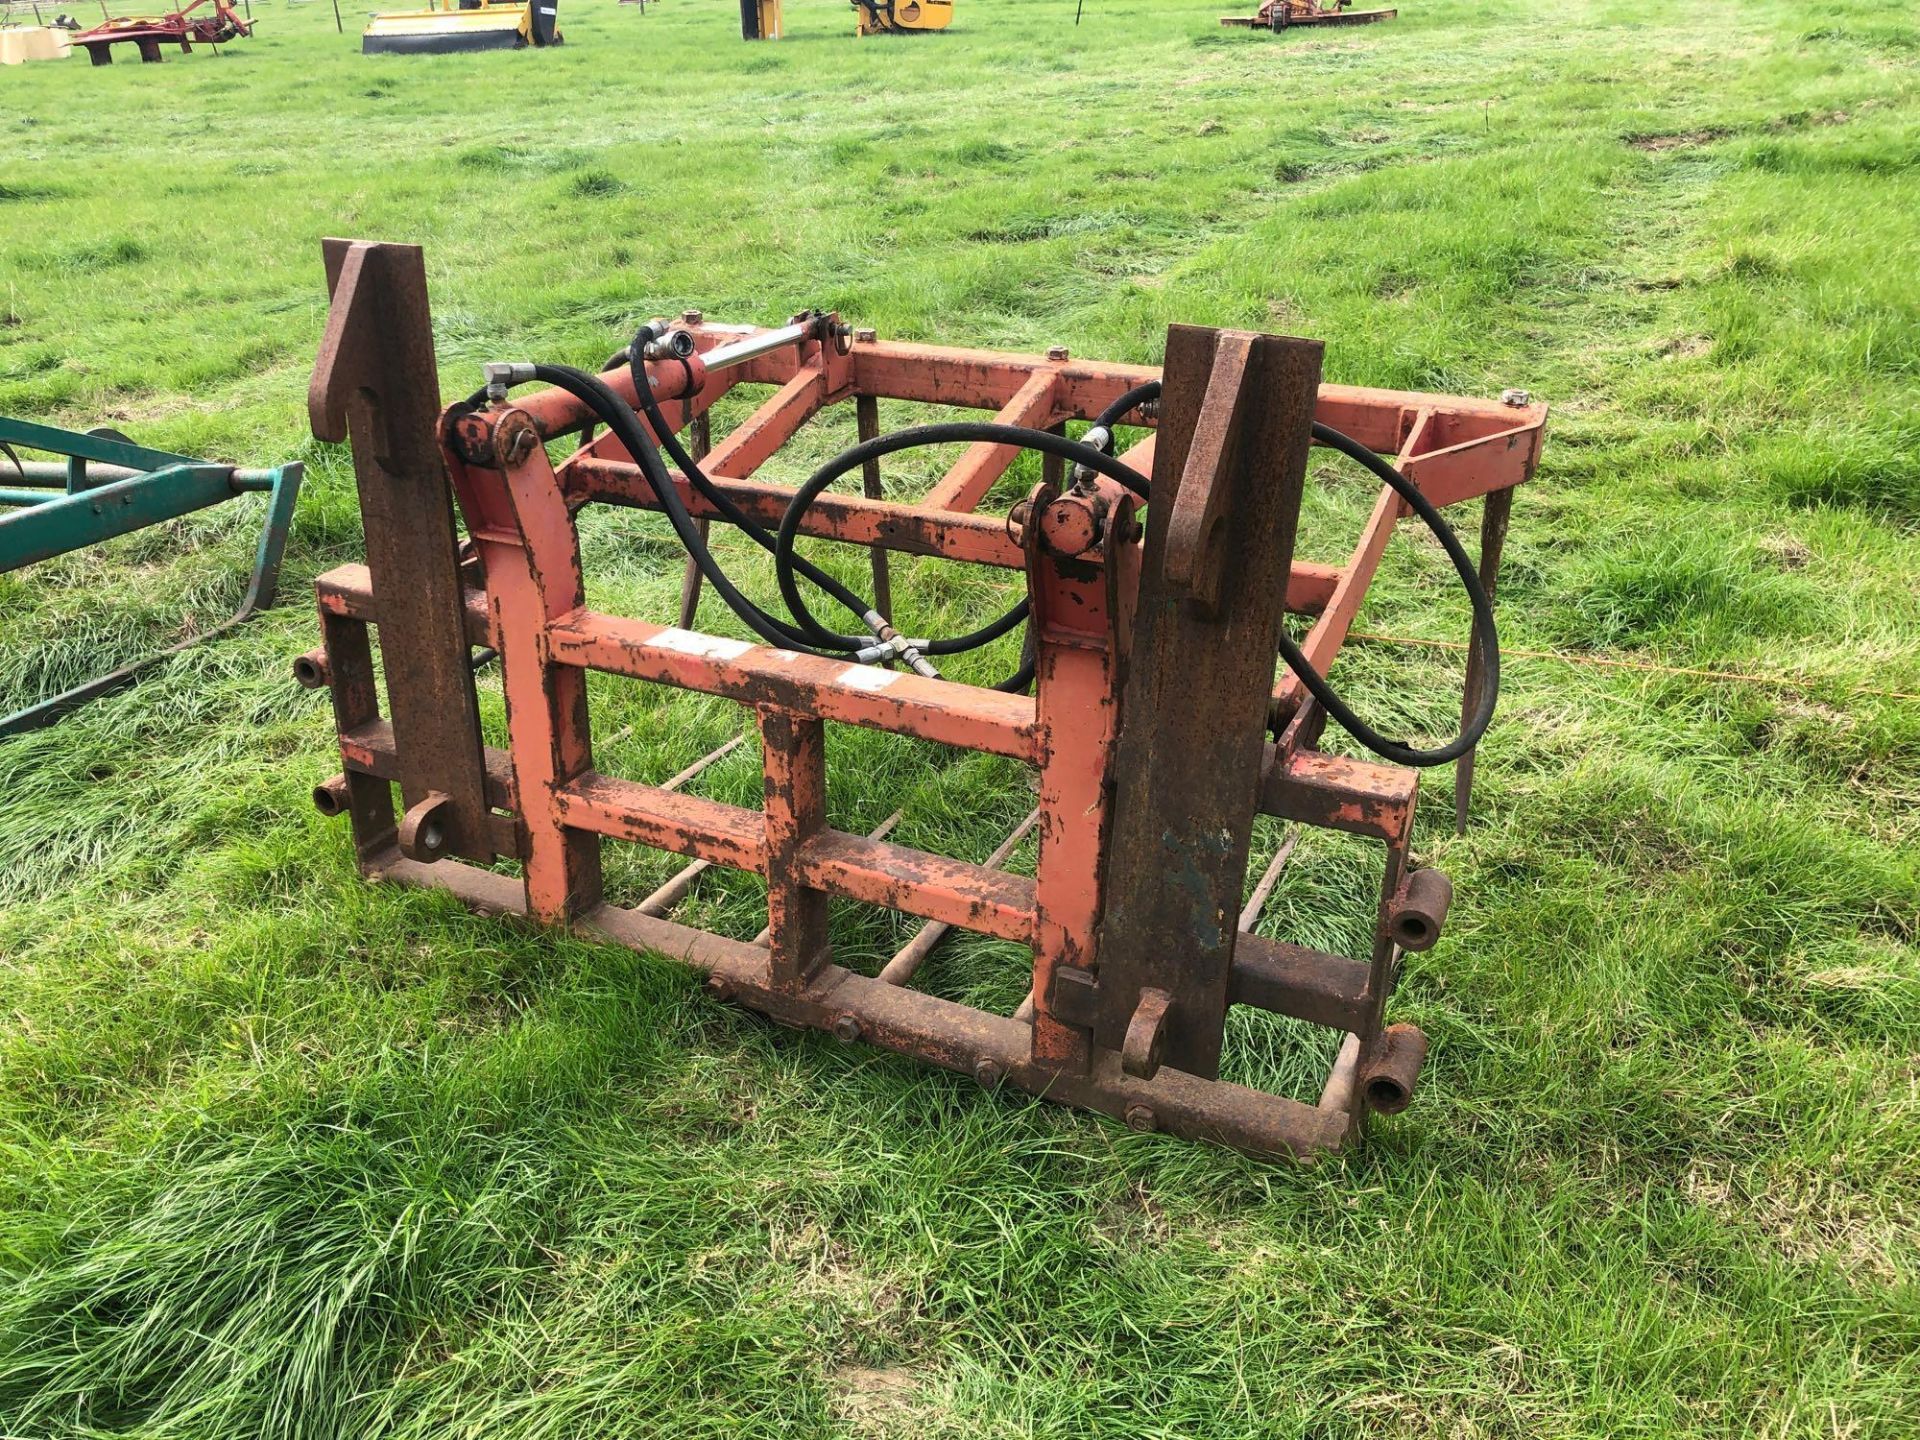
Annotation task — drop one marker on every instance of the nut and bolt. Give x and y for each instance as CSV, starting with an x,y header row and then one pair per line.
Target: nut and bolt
x,y
691,317
1516,398
866,336
514,438
1056,352
720,988
846,1028
988,1073
1140,1118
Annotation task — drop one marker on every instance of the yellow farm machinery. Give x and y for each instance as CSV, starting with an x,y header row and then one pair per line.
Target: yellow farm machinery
x,y
900,17
447,27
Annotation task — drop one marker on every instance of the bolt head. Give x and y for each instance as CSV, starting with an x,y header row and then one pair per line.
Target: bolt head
x,y
846,1028
1140,1117
1516,398
719,987
1069,526
1057,352
514,439
691,317
865,336
988,1073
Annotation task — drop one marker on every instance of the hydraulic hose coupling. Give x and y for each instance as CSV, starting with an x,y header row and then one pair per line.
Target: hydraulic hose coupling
x,y
675,370
666,343
894,646
1099,437
501,376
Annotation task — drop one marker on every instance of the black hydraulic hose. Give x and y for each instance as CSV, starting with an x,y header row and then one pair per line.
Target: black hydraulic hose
x,y
912,438
813,632
619,417
732,513
1486,637
1485,634
811,637
1123,407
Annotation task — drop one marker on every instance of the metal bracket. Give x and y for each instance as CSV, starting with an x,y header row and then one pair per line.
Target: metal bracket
x,y
375,379
1189,757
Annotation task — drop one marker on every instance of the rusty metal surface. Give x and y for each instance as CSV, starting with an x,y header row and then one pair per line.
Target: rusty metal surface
x,y
1148,728
908,959
1285,14
1493,543
1189,757
1390,1067
376,381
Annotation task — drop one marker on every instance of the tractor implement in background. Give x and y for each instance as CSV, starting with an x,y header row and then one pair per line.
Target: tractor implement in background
x,y
1155,727
900,17
105,486
219,24
452,27
1284,14
761,20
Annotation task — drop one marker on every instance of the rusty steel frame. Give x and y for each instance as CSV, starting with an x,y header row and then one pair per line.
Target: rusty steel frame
x,y
1136,955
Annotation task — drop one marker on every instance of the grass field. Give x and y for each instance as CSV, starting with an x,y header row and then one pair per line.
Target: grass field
x,y
287,1156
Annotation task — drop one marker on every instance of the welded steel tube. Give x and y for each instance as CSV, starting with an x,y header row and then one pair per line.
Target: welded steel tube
x,y
39,473
738,352
911,956
1392,1066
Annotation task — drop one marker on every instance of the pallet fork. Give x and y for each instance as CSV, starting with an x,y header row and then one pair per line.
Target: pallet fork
x,y
1156,729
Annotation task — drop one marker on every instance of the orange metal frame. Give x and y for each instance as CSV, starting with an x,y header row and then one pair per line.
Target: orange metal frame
x,y
518,588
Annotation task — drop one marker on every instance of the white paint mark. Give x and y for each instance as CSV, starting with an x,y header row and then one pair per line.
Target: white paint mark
x,y
867,677
692,642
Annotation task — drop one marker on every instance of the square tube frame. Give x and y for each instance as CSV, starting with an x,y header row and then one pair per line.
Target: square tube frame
x,y
1117,1020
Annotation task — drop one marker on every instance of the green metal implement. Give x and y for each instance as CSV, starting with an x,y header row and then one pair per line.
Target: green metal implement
x,y
103,486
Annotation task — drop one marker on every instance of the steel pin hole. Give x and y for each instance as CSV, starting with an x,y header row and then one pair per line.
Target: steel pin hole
x,y
1386,1096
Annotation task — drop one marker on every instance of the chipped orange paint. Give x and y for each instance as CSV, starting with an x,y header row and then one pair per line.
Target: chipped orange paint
x,y
531,607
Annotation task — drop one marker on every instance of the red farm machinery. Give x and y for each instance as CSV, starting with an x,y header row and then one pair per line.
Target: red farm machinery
x,y
214,25
1285,14
1148,701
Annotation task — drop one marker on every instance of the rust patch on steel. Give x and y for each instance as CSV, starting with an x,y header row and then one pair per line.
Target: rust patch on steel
x,y
1148,728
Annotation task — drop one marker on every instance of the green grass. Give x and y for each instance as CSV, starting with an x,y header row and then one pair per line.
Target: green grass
x,y
286,1156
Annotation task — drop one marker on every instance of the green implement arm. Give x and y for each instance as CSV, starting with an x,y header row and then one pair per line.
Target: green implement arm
x,y
104,485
